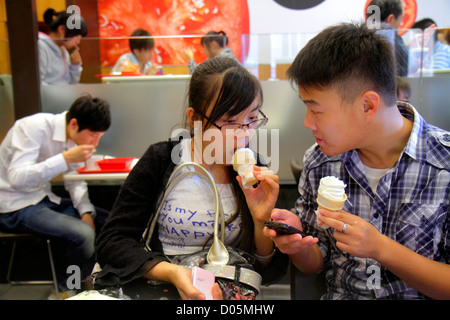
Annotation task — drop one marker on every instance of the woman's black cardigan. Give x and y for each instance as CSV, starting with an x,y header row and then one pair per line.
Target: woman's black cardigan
x,y
120,251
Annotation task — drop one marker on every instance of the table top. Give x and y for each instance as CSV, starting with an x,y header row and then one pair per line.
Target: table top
x,y
120,78
74,175
99,176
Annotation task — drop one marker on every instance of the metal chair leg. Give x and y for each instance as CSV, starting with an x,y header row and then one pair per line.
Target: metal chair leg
x,y
52,265
11,261
13,250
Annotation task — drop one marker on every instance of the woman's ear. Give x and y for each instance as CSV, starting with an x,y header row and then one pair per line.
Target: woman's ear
x,y
191,116
61,31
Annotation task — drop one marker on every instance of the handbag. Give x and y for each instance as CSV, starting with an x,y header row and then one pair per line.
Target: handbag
x,y
233,268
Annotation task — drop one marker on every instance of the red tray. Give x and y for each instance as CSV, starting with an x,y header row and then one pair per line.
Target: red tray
x,y
112,165
84,170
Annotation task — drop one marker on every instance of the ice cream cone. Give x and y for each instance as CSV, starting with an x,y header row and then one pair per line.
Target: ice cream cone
x,y
243,161
331,204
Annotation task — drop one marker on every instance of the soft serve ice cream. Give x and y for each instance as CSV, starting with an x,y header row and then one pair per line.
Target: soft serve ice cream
x,y
331,195
243,162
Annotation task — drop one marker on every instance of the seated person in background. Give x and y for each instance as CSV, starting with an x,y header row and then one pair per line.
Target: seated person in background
x,y
441,52
438,55
214,45
35,150
391,240
59,54
139,60
403,89
120,252
391,15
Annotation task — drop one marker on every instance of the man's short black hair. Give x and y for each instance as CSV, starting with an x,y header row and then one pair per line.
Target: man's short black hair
x,y
388,7
91,113
145,43
350,58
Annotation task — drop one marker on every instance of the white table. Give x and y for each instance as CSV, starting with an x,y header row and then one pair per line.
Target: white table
x,y
118,79
109,176
74,175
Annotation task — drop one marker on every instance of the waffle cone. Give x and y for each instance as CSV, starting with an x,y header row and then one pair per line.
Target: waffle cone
x,y
333,205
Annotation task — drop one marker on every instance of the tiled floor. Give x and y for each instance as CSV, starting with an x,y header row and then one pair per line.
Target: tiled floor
x,y
24,292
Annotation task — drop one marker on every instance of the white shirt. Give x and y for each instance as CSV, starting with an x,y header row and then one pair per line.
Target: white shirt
x,y
186,219
30,156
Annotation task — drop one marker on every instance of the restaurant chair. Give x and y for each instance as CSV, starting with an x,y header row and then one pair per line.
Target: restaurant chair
x,y
15,237
296,169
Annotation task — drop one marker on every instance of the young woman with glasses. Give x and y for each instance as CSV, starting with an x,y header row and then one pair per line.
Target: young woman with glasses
x,y
224,101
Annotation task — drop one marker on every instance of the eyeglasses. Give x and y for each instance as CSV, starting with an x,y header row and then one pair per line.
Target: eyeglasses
x,y
255,124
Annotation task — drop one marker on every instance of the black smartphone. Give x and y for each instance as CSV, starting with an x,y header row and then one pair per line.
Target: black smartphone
x,y
282,228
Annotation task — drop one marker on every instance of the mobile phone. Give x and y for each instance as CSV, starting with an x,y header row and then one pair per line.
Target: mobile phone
x,y
203,280
282,228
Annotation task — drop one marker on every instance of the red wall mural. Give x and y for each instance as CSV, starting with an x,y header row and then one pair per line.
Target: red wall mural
x,y
118,18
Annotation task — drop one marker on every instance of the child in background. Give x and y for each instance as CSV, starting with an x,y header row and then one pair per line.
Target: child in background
x,y
139,59
403,89
214,45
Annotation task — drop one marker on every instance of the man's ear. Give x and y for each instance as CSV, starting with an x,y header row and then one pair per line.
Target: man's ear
x,y
73,124
390,18
371,104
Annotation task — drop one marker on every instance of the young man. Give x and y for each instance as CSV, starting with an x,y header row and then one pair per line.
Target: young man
x,y
391,240
38,148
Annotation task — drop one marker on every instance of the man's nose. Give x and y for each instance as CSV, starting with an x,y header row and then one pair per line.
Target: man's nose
x,y
308,122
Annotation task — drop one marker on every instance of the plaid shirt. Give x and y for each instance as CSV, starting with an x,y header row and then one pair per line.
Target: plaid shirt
x,y
411,206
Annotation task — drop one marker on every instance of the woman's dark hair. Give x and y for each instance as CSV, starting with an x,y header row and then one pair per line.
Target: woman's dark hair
x,y
230,88
55,19
224,82
91,113
220,37
145,43
349,57
424,24
388,7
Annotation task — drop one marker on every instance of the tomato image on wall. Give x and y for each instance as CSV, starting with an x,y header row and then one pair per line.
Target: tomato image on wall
x,y
118,18
409,14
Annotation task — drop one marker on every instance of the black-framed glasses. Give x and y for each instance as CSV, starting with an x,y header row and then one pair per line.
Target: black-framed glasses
x,y
255,124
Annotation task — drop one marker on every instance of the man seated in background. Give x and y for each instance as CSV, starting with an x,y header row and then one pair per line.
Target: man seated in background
x,y
38,148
